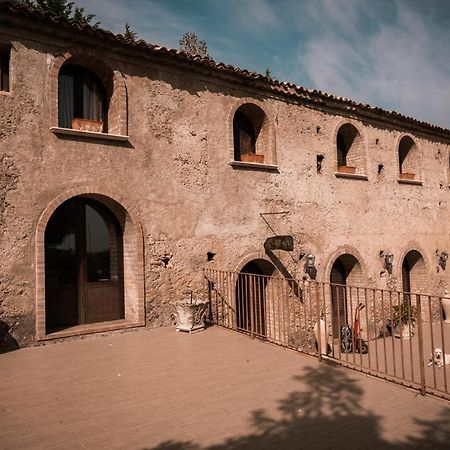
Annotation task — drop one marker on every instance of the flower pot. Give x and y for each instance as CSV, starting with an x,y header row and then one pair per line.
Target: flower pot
x,y
347,169
403,331
95,126
407,176
252,157
190,316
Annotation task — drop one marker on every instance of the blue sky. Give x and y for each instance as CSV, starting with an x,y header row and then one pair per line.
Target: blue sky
x,y
389,53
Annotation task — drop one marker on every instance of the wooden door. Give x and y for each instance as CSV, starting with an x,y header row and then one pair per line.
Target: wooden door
x,y
84,268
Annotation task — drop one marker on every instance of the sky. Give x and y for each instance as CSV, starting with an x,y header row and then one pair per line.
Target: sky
x,y
394,54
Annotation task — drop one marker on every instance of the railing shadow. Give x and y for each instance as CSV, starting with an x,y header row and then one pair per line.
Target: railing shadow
x,y
326,412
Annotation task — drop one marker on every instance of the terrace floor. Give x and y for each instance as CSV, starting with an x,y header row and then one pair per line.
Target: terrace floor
x,y
216,390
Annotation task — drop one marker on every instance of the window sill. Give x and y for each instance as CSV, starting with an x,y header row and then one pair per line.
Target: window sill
x,y
352,176
251,165
91,328
414,182
89,134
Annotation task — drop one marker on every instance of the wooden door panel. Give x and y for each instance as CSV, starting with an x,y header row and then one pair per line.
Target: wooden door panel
x,y
104,302
61,306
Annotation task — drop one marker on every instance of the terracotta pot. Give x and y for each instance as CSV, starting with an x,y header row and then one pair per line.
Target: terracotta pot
x,y
252,157
407,176
347,169
95,126
190,316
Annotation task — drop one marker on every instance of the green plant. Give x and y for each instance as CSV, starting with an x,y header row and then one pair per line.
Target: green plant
x,y
404,313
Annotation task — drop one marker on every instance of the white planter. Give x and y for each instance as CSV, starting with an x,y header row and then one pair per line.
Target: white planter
x,y
323,336
446,308
191,316
405,333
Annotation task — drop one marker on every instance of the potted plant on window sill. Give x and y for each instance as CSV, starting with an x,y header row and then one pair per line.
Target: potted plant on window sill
x,y
190,313
95,126
407,176
404,318
347,169
252,157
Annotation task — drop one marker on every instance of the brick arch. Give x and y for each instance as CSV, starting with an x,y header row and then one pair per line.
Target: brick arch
x,y
113,80
266,142
341,301
420,272
409,156
346,250
251,257
357,152
133,256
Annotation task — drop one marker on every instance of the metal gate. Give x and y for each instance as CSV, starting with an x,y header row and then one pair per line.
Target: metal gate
x,y
389,334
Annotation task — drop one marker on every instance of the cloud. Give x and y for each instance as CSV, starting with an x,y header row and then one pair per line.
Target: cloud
x,y
389,53
400,64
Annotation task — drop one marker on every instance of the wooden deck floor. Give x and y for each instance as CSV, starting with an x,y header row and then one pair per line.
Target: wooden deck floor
x,y
216,390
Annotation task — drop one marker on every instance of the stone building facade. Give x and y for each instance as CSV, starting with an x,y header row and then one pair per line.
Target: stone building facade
x,y
196,164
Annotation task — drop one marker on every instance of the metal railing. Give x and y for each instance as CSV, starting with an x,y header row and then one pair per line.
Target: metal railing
x,y
390,334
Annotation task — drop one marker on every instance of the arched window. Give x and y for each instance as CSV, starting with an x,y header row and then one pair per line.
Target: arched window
x,y
251,135
350,150
409,159
82,99
244,135
5,54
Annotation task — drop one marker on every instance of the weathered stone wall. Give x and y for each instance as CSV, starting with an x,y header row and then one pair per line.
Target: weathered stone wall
x,y
189,200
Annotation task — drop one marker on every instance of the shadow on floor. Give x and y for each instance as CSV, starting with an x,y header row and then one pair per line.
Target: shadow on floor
x,y
325,414
7,341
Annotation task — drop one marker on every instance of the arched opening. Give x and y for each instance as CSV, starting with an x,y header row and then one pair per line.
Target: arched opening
x,y
250,134
408,157
413,272
83,265
346,271
251,289
350,150
82,99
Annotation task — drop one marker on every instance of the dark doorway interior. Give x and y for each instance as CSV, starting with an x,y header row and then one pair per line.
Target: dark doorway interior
x,y
83,265
250,296
338,281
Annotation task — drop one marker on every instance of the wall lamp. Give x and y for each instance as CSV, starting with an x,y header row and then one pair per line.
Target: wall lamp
x,y
443,256
310,267
388,260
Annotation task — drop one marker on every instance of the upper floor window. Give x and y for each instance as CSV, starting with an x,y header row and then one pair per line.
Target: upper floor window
x,y
251,134
350,150
409,159
82,100
5,53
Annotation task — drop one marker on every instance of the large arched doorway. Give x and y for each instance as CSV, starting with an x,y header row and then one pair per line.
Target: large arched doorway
x,y
345,271
251,296
83,265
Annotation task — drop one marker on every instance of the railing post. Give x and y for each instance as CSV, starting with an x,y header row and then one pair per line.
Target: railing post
x,y
319,331
253,299
420,336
